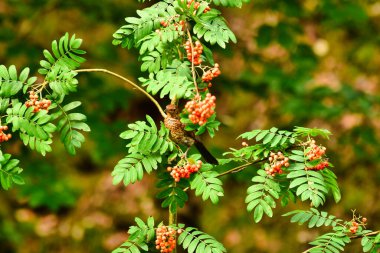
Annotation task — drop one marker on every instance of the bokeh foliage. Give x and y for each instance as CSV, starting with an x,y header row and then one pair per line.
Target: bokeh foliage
x,y
296,63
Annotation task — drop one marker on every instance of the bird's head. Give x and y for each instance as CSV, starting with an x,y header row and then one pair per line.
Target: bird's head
x,y
171,109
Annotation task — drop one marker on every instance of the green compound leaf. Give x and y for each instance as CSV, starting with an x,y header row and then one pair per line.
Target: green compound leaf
x,y
32,124
206,184
139,237
229,3
137,28
261,196
303,131
308,184
329,242
9,171
199,242
213,29
69,124
314,218
332,184
147,139
59,64
172,193
272,138
170,82
131,168
11,84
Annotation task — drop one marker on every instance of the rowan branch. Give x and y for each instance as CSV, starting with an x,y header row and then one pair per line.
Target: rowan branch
x,y
240,167
351,237
368,234
129,82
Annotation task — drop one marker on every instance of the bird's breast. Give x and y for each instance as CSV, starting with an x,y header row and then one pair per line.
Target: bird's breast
x,y
175,127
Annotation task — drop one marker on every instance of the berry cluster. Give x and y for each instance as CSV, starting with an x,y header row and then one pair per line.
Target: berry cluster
x,y
354,227
211,74
201,110
316,151
180,26
178,172
4,136
277,161
37,104
196,6
195,53
320,166
165,241
356,223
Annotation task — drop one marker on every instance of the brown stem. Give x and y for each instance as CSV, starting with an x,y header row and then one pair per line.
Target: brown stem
x,y
129,82
368,234
240,167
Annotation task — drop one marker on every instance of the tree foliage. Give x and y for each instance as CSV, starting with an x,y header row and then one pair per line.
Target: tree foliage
x,y
343,232
174,40
36,126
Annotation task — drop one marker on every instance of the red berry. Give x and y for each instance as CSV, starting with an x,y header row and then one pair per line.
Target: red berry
x,y
178,172
165,241
195,54
200,110
277,161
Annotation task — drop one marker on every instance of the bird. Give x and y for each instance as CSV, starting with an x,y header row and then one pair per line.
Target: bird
x,y
179,135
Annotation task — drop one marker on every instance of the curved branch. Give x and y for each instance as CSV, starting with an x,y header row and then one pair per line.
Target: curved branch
x,y
240,168
129,82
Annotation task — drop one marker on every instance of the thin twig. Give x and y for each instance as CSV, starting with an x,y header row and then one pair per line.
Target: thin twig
x,y
368,234
240,167
351,237
129,82
192,61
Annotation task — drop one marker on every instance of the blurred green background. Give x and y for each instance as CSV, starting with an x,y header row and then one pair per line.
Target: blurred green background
x,y
297,63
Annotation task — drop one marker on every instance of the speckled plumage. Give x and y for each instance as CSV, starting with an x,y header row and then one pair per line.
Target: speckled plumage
x,y
179,135
177,132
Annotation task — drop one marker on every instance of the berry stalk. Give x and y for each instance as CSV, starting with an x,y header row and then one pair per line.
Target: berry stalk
x,y
173,221
192,61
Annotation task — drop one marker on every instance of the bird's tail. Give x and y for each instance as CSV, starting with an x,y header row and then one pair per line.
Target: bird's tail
x,y
205,153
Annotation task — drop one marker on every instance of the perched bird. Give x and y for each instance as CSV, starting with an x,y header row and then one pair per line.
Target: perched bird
x,y
179,135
